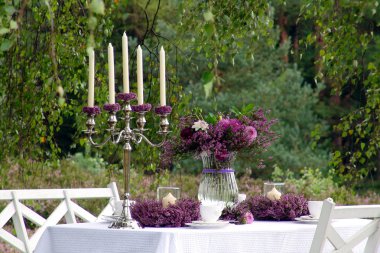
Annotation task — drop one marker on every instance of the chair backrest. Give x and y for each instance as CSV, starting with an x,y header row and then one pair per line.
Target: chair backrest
x,y
17,211
326,231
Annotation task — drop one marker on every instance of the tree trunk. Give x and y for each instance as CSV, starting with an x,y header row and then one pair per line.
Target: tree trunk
x,y
283,20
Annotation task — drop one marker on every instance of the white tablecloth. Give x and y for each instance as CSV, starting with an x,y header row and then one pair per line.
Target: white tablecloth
x,y
260,237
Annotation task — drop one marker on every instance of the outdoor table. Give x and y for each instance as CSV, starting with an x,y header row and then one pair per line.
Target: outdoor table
x,y
260,236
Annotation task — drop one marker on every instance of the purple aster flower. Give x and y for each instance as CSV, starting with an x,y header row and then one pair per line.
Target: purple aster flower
x,y
187,133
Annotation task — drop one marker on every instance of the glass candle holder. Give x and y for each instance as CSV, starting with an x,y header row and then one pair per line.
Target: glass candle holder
x,y
168,195
274,190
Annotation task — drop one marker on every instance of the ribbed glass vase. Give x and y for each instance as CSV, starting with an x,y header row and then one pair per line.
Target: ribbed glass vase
x,y
218,183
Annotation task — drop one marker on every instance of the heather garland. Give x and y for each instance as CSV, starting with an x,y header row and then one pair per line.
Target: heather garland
x,y
288,207
220,136
151,213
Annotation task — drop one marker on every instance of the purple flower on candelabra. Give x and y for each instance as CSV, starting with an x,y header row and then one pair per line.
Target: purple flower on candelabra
x,y
162,110
126,96
230,124
95,110
112,107
141,108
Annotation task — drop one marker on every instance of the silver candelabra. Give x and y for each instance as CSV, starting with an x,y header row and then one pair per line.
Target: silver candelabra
x,y
127,136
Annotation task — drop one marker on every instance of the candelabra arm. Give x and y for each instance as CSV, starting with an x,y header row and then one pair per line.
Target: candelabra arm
x,y
119,136
97,144
143,137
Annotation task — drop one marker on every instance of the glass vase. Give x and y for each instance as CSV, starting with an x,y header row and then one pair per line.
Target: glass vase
x,y
218,183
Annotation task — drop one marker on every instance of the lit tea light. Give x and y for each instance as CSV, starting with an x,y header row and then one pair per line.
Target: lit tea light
x,y
274,194
169,199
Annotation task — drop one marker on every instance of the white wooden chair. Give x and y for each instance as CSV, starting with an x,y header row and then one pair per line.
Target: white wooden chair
x,y
326,231
67,209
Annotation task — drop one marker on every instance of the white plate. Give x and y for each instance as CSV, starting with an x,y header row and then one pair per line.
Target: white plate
x,y
209,223
203,224
308,217
309,220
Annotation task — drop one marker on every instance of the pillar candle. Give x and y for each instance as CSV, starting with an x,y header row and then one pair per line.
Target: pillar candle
x,y
125,64
274,194
140,88
91,77
162,78
169,199
111,75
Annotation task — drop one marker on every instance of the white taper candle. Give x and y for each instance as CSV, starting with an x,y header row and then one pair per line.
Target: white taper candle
x,y
111,75
162,78
140,87
125,64
91,77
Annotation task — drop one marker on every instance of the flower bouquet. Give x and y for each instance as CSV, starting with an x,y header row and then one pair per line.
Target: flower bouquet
x,y
216,139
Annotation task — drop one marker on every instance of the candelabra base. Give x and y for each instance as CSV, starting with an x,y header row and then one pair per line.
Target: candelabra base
x,y
125,223
125,220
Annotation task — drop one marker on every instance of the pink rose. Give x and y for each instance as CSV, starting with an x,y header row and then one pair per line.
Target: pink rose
x,y
247,218
250,133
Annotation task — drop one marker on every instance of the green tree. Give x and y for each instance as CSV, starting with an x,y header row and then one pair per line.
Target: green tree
x,y
43,71
271,83
346,39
